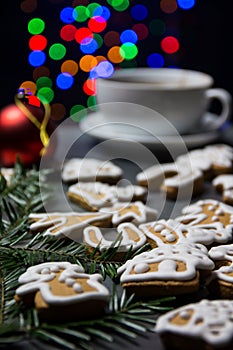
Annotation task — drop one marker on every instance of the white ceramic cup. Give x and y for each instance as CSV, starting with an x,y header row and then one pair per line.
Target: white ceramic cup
x,y
157,98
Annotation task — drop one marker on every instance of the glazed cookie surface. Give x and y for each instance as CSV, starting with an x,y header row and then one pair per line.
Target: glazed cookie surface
x,y
96,195
224,185
208,213
203,325
61,291
221,281
136,212
126,237
90,169
166,270
172,232
68,225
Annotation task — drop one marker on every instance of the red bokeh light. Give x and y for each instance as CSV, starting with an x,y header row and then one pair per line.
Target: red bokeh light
x,y
170,44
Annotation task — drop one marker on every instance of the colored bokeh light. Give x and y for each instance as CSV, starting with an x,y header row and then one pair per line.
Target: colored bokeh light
x,y
139,12
64,81
67,32
186,4
36,26
155,60
66,15
57,51
36,58
38,42
170,44
92,39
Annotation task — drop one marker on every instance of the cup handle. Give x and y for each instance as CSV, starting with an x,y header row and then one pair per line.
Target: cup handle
x,y
214,122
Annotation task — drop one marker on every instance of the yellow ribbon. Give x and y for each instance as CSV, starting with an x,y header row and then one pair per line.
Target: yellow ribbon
x,y
44,137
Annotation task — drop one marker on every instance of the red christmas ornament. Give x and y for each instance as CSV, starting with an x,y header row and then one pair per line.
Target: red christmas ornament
x,y
19,136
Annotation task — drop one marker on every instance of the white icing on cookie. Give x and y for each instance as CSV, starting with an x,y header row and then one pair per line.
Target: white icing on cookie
x,y
127,236
167,257
35,279
171,232
225,253
210,321
220,154
98,194
89,169
67,224
155,175
225,184
219,215
136,212
196,159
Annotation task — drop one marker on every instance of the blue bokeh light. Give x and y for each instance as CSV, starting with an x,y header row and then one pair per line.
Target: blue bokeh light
x,y
66,15
36,58
64,81
186,4
128,35
139,12
155,60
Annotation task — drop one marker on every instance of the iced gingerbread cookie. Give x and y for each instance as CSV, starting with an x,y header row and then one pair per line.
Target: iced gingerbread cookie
x,y
172,232
62,292
95,195
89,169
126,237
68,225
135,212
211,160
172,178
224,185
166,270
206,325
221,281
210,214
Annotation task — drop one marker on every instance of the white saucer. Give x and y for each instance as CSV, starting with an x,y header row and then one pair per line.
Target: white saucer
x,y
94,125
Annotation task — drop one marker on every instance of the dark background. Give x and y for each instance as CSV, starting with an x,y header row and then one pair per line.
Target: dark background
x,y
205,33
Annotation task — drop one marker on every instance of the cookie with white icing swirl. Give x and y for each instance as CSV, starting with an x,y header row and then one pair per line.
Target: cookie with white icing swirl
x,y
62,292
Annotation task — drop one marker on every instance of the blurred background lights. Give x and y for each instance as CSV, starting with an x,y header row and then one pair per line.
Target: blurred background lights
x,y
36,58
64,81
92,39
186,4
36,26
38,42
170,44
139,12
155,60
66,15
57,51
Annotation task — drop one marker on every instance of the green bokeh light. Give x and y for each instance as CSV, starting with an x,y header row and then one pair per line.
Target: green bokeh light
x,y
81,13
36,26
91,103
157,27
43,82
91,8
57,51
78,112
128,51
46,94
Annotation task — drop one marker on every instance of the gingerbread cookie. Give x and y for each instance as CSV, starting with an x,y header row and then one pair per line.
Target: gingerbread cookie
x,y
206,325
224,185
154,176
68,225
172,232
211,160
221,281
62,292
126,237
95,195
166,270
89,169
172,178
135,212
210,214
